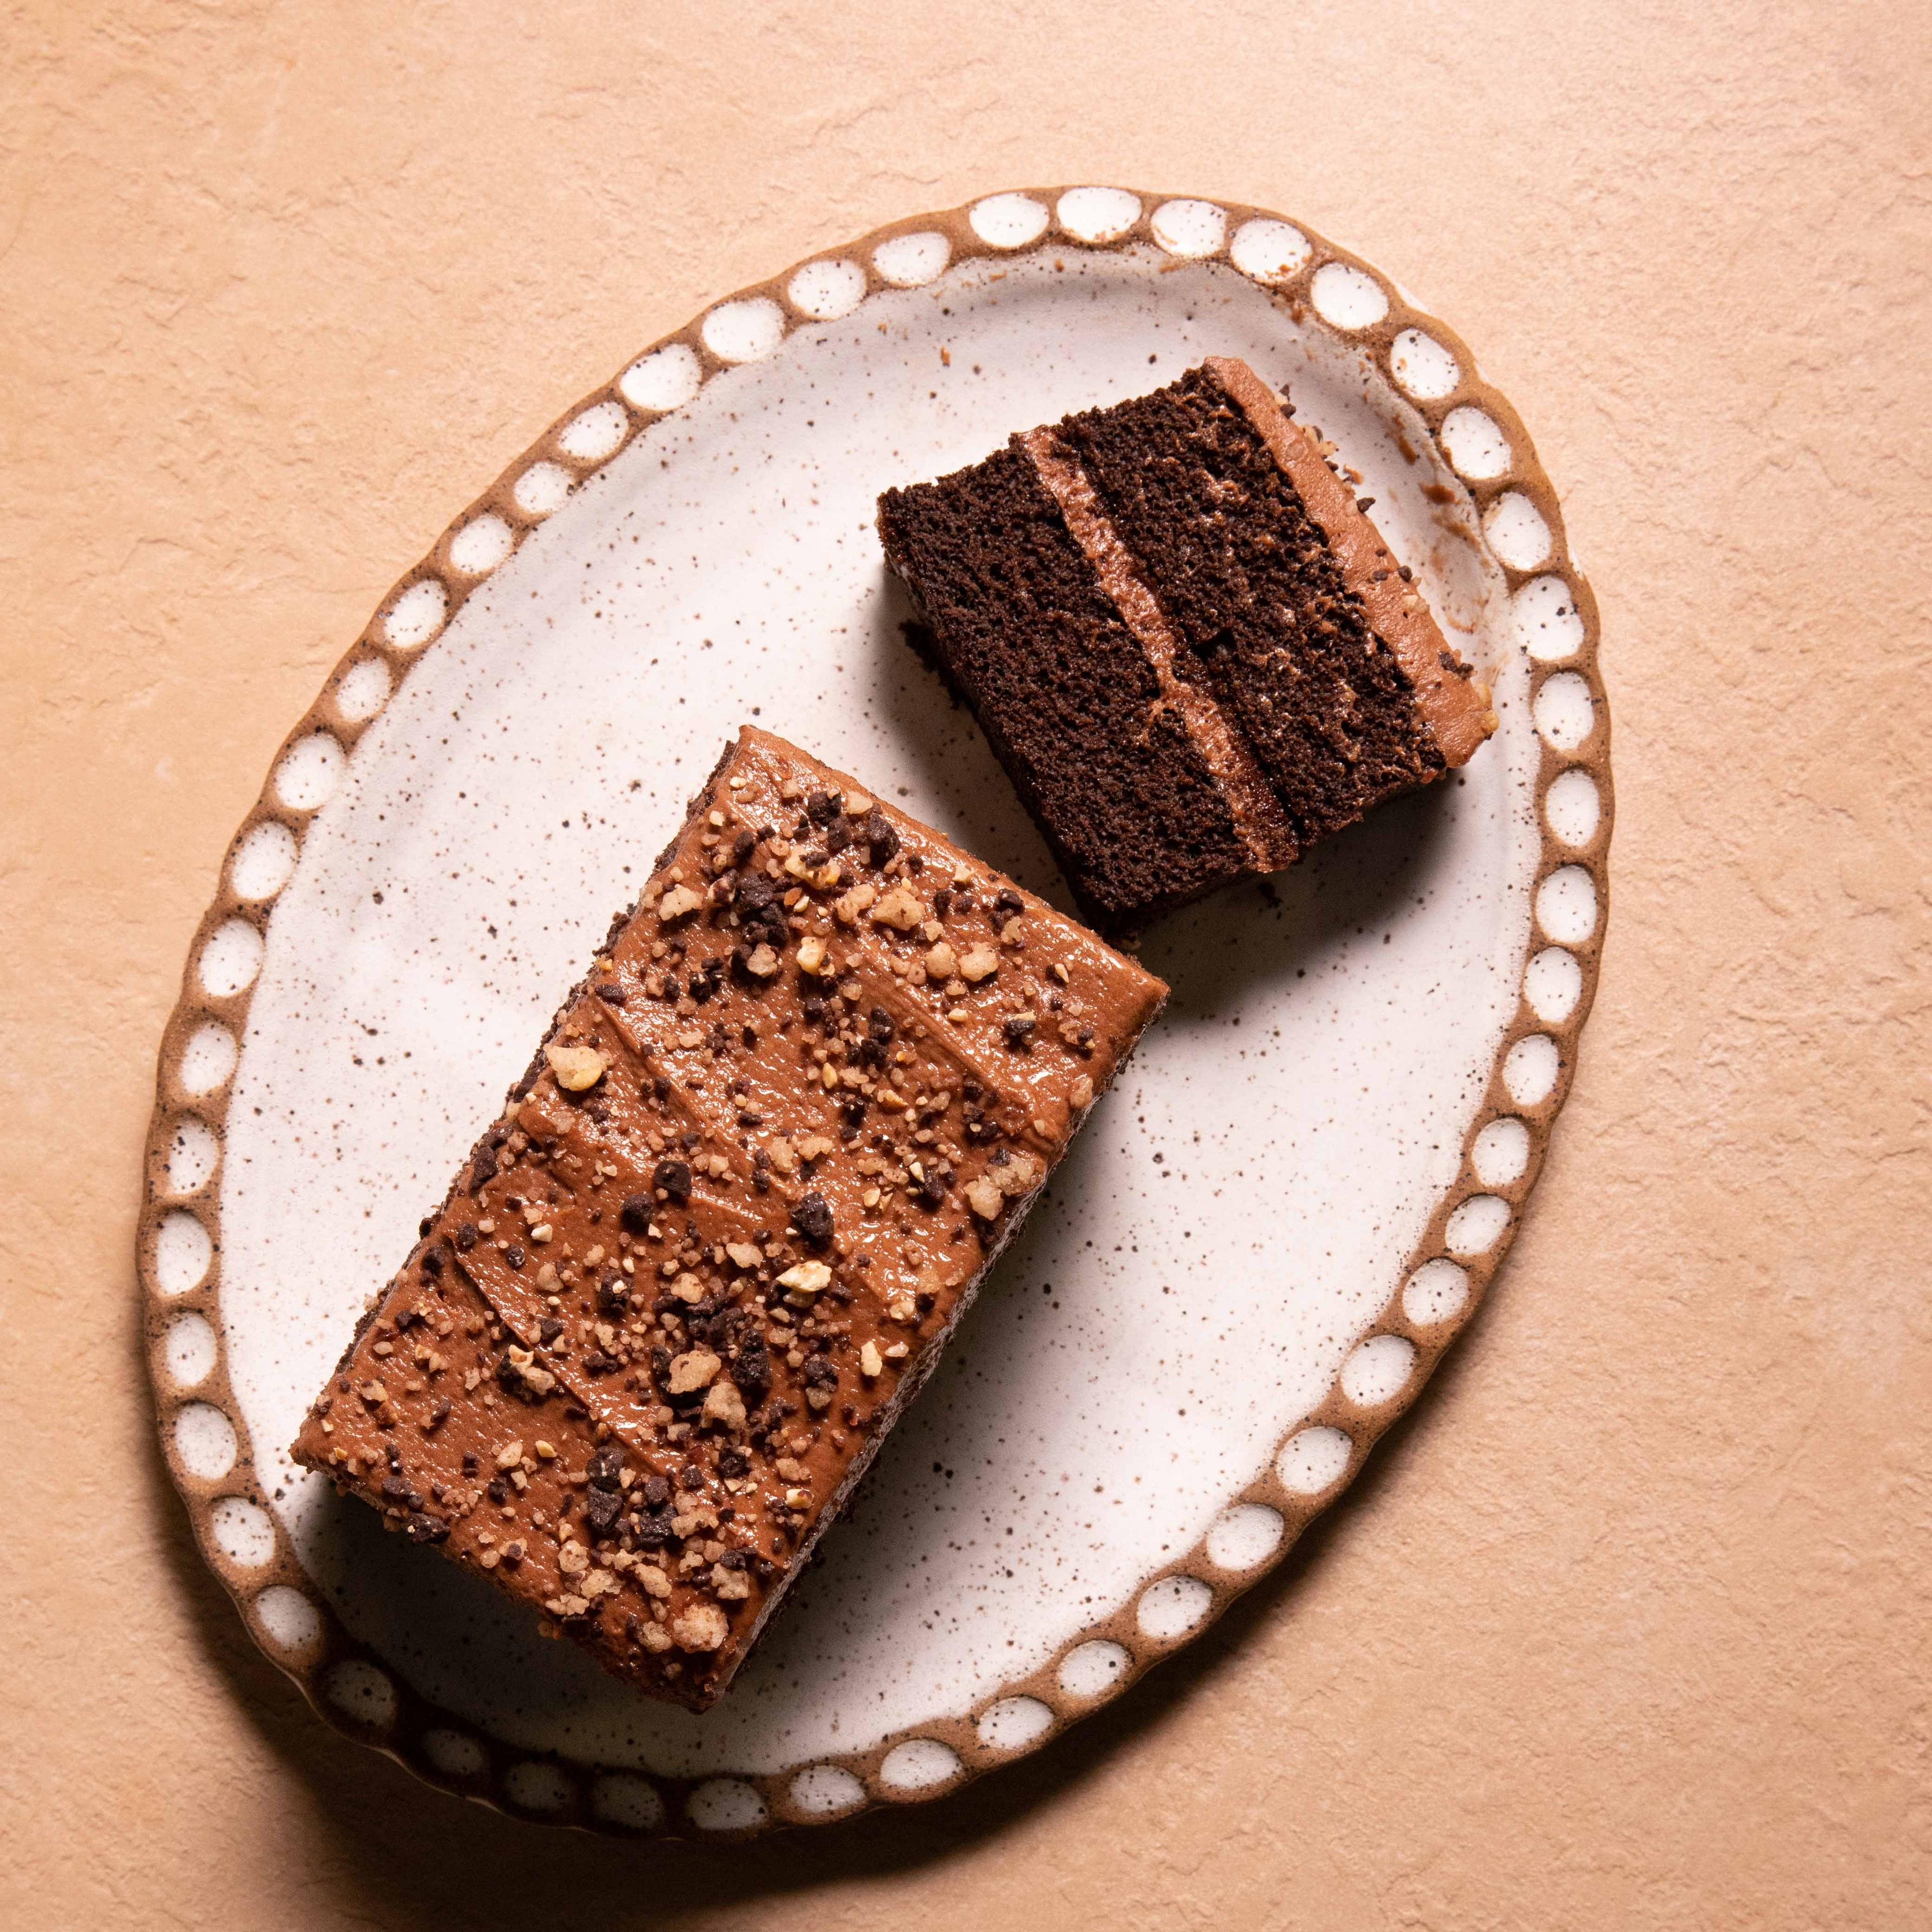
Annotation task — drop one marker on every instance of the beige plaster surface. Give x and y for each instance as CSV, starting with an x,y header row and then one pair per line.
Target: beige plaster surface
x,y
1628,1626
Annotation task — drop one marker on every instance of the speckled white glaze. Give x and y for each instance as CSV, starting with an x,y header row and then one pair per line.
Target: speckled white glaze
x,y
1192,1335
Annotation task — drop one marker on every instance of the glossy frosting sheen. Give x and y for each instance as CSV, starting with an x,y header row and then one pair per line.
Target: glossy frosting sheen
x,y
728,1219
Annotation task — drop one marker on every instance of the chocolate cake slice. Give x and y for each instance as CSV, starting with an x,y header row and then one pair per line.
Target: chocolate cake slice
x,y
680,1290
1185,640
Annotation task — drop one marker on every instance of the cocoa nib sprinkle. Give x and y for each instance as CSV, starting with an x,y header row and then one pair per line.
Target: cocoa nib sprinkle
x,y
736,1201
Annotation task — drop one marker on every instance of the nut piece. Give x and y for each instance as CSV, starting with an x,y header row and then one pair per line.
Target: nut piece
x,y
764,962
807,1278
702,1627
692,1372
871,1362
820,876
1015,1176
900,909
984,1199
723,1403
509,1456
940,963
1080,1093
981,962
743,1254
848,906
578,1069
811,954
676,903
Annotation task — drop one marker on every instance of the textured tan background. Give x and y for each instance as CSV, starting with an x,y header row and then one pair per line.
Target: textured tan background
x,y
1628,1626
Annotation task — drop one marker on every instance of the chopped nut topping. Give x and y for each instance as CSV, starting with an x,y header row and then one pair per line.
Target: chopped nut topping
x,y
985,1199
578,1069
723,1403
901,909
940,962
702,1627
870,1363
811,954
1016,1176
981,962
806,1278
676,903
692,1372
763,961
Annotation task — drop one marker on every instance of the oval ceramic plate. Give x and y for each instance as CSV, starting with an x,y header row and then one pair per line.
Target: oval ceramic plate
x,y
1270,1231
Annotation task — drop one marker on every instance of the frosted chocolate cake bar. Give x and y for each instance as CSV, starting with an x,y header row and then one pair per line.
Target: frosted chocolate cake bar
x,y
754,1175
